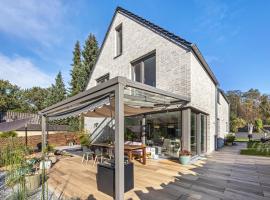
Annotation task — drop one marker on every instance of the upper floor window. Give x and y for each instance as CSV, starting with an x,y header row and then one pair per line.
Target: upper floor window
x,y
144,70
103,78
119,40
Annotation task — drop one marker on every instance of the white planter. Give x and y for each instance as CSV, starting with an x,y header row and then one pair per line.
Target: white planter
x,y
47,164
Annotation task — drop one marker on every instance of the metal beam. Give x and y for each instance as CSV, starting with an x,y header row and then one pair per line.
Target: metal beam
x,y
119,142
81,95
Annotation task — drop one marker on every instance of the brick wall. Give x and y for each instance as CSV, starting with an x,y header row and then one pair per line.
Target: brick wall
x,y
58,139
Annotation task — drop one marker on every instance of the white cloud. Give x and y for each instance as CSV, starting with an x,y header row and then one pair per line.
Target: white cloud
x,y
22,72
31,19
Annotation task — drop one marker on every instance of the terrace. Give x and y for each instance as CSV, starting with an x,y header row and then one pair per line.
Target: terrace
x,y
115,99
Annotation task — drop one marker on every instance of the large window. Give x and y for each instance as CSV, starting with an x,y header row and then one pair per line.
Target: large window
x,y
163,132
144,70
119,40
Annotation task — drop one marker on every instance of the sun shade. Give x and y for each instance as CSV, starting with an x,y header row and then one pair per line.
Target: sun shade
x,y
80,109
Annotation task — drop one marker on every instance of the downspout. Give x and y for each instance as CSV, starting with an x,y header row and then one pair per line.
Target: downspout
x,y
216,118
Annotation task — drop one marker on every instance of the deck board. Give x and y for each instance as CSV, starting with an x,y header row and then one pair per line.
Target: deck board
x,y
70,178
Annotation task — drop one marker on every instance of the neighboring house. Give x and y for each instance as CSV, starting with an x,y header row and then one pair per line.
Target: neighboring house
x,y
142,51
30,122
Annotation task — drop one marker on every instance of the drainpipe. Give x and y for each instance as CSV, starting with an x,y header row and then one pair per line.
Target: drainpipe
x,y
216,118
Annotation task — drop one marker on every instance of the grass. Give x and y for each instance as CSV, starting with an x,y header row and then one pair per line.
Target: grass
x,y
256,148
241,139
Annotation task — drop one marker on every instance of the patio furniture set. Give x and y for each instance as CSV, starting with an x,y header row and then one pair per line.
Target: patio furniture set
x,y
100,152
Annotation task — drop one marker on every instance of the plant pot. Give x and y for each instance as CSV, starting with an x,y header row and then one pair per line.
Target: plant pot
x,y
32,182
184,160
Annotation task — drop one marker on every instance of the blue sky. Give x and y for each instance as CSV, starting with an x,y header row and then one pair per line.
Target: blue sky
x,y
37,37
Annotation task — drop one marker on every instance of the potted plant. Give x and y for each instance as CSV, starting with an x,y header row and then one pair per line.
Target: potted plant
x,y
184,157
230,139
84,141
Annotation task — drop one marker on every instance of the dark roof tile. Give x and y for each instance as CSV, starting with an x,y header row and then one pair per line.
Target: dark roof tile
x,y
156,28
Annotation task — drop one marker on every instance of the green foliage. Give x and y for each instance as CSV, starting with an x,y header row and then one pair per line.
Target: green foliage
x,y
267,121
89,54
258,125
236,123
76,68
230,138
84,139
57,91
73,124
49,148
34,99
250,105
256,148
9,96
8,134
83,63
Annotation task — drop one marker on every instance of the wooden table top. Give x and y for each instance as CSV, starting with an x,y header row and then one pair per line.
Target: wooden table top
x,y
126,146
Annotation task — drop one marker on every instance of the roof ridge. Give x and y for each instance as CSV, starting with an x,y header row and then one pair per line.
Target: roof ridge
x,y
157,28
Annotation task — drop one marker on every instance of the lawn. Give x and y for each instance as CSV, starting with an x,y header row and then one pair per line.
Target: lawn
x,y
256,148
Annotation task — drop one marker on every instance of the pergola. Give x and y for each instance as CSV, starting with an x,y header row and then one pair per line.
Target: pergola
x,y
118,97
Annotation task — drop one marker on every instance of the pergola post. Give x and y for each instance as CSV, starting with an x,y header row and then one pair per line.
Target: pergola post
x,y
119,142
43,128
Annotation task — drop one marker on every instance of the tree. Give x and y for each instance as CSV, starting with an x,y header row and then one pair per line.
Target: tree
x,y
10,96
34,97
89,54
76,70
251,109
234,97
237,123
57,92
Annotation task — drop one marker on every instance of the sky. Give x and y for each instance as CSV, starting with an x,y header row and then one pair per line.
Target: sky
x,y
37,37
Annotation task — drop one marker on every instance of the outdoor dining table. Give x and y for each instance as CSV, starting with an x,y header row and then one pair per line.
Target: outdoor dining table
x,y
129,150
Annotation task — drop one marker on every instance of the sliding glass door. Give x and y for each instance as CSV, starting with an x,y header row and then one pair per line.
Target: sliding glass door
x,y
163,132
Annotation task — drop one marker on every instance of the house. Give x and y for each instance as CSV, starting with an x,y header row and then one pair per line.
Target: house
x,y
144,52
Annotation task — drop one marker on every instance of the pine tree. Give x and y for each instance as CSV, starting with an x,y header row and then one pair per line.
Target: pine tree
x,y
89,55
57,92
76,70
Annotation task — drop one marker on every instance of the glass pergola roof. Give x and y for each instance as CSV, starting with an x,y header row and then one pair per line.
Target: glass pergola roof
x,y
100,101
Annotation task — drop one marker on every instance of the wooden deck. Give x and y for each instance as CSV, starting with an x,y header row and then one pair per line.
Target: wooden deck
x,y
69,178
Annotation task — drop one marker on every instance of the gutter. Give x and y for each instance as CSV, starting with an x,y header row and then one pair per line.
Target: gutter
x,y
197,52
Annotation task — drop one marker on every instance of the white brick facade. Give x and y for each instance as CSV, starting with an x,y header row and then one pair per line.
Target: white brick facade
x,y
223,116
177,69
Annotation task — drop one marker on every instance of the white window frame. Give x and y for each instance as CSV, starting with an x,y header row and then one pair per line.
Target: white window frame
x,y
141,62
119,27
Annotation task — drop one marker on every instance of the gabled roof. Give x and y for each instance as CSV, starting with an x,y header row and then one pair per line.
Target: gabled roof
x,y
224,95
154,27
164,33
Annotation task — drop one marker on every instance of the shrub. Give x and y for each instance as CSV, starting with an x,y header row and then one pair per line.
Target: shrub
x,y
84,139
8,134
49,148
230,138
258,125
